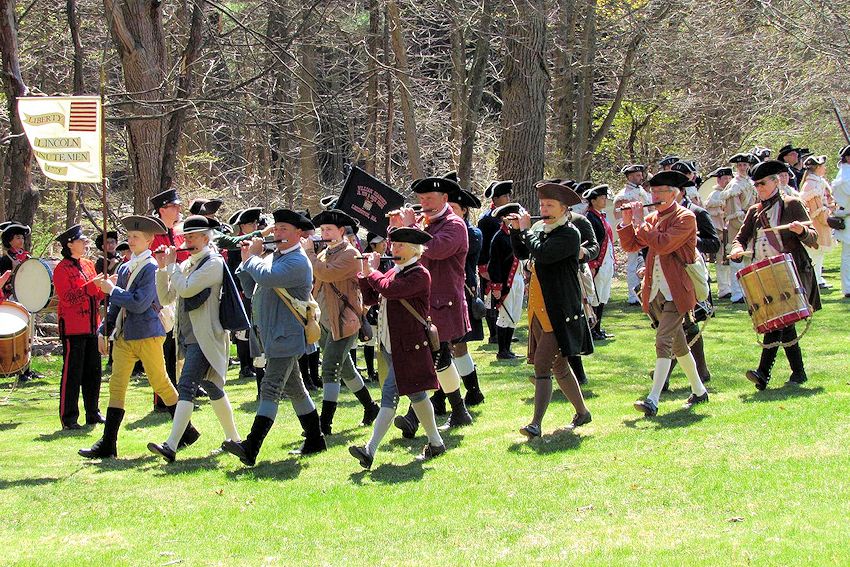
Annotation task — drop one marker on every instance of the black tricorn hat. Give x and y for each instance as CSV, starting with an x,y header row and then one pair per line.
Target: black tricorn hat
x,y
744,157
580,188
167,197
409,235
499,188
245,216
632,168
668,160
812,161
558,192
785,150
205,206
765,168
122,246
435,185
465,199
297,220
199,223
684,167
720,172
507,209
98,241
668,178
595,192
70,235
336,218
141,223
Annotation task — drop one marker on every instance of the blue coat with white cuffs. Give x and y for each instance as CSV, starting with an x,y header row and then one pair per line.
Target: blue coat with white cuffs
x,y
140,302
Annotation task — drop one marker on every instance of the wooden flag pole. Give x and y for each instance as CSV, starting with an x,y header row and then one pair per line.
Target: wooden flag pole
x,y
103,166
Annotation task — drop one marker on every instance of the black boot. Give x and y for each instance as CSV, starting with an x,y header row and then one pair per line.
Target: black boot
x,y
473,391
504,335
491,317
313,366
106,446
698,352
408,423
327,419
314,441
370,408
460,416
259,374
438,400
369,357
795,361
248,449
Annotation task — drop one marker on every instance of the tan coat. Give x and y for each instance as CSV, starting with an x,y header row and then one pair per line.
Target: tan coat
x,y
672,234
338,266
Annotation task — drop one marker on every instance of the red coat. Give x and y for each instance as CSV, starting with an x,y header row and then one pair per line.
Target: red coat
x,y
445,259
412,360
672,235
171,239
78,303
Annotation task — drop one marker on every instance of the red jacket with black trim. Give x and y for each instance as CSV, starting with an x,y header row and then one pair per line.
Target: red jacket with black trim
x,y
78,303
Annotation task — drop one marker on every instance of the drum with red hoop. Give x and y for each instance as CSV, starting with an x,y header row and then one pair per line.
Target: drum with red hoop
x,y
774,294
14,338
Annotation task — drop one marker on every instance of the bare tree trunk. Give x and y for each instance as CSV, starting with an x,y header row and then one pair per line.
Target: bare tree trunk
x,y
584,107
136,29
284,166
563,95
177,119
458,88
476,89
526,84
388,135
72,193
308,127
372,86
411,135
23,199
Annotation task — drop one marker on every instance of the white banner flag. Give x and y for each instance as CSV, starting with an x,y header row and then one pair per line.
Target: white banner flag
x,y
64,132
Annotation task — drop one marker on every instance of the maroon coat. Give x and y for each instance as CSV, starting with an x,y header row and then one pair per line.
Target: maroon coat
x,y
412,360
445,259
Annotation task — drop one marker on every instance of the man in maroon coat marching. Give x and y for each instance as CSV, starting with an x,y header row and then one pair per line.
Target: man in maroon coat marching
x,y
445,259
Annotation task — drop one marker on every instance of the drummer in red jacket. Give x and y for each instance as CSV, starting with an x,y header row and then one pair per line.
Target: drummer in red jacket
x,y
78,323
775,209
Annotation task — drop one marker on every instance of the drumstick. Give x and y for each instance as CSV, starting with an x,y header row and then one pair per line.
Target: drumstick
x,y
380,257
746,253
785,226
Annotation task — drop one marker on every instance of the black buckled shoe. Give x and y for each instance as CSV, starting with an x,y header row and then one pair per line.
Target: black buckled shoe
x,y
458,418
311,446
580,419
362,455
798,378
531,431
408,429
241,451
102,449
164,451
431,451
693,400
758,378
71,427
647,407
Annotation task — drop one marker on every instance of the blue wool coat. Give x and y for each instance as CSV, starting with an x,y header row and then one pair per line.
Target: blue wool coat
x,y
140,301
280,333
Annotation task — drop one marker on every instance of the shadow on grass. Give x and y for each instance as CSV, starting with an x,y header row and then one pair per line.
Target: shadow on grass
x,y
64,433
151,419
192,464
785,392
6,484
558,441
389,473
682,417
280,470
9,426
119,464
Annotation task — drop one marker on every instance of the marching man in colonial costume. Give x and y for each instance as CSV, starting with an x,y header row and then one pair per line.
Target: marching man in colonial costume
x,y
507,284
738,196
841,193
774,209
716,207
633,191
601,267
202,343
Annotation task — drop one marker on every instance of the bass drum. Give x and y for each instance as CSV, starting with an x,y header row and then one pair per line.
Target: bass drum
x,y
33,285
14,338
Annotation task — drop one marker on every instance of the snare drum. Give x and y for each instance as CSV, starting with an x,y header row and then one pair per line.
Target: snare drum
x,y
774,294
33,285
14,338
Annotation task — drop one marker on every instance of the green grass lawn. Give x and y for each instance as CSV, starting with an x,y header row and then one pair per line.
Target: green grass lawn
x,y
749,478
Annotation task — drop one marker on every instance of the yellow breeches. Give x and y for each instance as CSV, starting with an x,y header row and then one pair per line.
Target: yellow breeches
x,y
124,356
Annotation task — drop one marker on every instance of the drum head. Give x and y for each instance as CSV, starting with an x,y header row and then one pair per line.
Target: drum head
x,y
13,319
33,284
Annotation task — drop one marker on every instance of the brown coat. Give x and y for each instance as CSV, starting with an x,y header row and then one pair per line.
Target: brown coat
x,y
792,209
338,267
672,234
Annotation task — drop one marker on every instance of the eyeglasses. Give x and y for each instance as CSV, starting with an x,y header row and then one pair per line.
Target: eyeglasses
x,y
760,183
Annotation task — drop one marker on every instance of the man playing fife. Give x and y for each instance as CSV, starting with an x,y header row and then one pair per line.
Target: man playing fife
x,y
667,294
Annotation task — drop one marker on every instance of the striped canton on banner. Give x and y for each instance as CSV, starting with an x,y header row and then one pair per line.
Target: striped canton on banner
x,y
83,116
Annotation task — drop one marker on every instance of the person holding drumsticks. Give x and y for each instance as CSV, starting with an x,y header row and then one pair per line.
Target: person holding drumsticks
x,y
79,318
558,327
774,210
667,294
